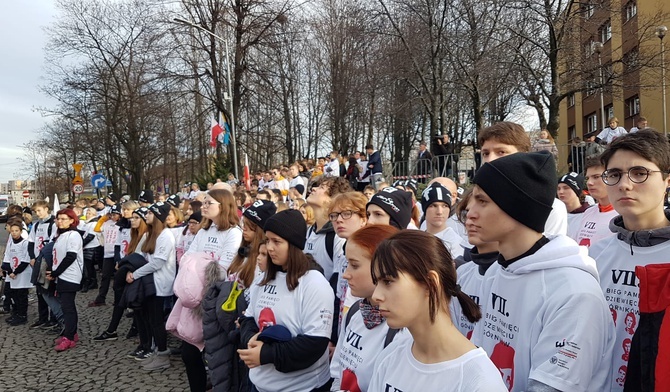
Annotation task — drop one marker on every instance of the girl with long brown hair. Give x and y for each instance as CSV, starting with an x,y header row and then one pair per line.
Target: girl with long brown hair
x,y
415,285
293,309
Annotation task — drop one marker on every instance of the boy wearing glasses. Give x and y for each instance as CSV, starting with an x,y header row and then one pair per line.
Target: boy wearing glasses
x,y
636,175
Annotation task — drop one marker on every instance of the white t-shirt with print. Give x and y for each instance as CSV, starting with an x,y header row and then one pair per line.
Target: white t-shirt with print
x,y
397,370
593,226
475,286
89,228
307,310
222,245
70,241
15,254
123,241
356,352
110,232
533,323
620,285
183,244
165,275
39,234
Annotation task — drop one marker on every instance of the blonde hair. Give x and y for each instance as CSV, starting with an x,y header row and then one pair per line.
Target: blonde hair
x,y
309,214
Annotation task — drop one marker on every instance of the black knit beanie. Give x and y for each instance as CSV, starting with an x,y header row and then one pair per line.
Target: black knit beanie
x,y
434,193
160,210
289,225
395,202
146,196
173,200
142,213
523,185
575,181
196,216
260,212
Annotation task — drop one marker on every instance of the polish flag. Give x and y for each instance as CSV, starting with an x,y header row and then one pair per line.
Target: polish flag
x,y
247,176
216,131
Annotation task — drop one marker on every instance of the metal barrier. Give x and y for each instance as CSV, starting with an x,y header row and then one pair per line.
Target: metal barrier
x,y
460,167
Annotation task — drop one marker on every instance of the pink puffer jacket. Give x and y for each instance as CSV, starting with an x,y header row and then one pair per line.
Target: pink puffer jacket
x,y
196,272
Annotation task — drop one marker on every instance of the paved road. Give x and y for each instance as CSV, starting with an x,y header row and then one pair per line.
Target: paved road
x,y
28,361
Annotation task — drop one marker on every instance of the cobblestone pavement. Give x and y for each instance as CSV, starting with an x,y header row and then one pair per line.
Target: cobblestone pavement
x,y
28,361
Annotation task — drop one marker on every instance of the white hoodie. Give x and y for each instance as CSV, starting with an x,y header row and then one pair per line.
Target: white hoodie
x,y
544,318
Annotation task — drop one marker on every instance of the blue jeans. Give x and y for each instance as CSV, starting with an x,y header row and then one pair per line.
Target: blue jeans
x,y
54,305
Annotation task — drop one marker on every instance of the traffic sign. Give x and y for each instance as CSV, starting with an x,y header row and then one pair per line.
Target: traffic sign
x,y
108,183
26,194
77,189
98,181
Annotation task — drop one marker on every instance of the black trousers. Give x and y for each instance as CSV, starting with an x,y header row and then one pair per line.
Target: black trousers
x,y
7,302
151,315
195,367
108,265
118,286
20,299
89,267
70,317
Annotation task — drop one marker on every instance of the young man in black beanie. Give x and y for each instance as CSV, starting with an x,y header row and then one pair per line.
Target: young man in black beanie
x,y
390,206
547,326
436,205
506,138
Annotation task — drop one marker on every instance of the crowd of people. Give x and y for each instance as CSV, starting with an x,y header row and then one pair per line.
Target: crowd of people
x,y
318,280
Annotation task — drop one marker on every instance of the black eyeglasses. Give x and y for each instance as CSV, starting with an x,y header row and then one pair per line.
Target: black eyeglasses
x,y
344,214
636,174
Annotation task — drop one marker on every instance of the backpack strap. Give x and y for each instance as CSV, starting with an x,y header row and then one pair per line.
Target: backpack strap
x,y
353,309
390,334
330,243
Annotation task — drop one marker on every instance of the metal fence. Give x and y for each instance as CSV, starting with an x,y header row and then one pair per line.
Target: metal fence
x,y
457,166
462,167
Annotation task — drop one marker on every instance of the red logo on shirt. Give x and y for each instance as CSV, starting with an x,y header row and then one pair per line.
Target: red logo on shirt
x,y
55,262
503,358
15,262
266,318
349,381
124,243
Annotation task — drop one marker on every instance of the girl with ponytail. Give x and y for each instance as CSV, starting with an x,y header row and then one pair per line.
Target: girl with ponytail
x,y
414,288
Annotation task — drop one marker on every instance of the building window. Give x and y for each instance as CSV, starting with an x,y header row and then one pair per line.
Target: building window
x,y
605,32
571,100
588,8
633,106
591,123
609,112
630,10
572,132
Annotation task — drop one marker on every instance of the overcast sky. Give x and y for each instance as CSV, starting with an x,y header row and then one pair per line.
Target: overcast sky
x,y
22,42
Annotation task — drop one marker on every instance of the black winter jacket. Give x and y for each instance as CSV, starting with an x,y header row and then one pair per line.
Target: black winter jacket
x,y
227,372
144,287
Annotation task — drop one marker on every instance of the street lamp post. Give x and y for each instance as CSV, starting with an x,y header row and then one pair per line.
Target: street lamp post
x,y
230,91
598,48
660,33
